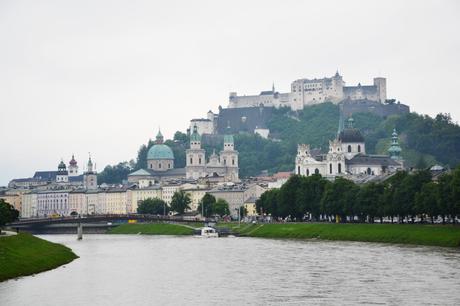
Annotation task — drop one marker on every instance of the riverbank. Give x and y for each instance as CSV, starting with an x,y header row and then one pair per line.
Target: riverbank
x,y
152,229
24,254
434,235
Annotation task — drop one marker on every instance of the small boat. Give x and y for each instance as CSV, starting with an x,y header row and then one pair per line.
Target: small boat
x,y
208,232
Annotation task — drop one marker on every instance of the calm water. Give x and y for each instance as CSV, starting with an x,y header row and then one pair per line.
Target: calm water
x,y
156,270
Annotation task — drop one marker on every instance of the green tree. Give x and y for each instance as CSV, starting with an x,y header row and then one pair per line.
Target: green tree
x,y
427,201
153,206
338,198
369,202
454,208
180,202
7,213
221,208
206,205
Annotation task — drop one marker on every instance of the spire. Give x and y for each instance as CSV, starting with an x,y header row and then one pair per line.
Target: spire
x,y
340,129
395,149
90,163
159,138
351,121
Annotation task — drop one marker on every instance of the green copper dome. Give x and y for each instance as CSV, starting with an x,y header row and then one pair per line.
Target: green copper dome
x,y
195,137
228,138
160,151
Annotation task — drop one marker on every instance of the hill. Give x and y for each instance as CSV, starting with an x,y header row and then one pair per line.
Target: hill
x,y
424,140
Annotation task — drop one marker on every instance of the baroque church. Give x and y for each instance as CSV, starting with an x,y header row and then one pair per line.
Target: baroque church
x,y
347,157
160,163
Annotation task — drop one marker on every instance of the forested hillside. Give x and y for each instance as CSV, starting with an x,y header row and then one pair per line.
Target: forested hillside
x,y
425,141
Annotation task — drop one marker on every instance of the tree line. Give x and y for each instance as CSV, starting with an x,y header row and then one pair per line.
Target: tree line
x,y
180,203
404,196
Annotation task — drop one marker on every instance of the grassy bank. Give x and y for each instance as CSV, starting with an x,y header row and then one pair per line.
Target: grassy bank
x,y
24,254
447,236
152,229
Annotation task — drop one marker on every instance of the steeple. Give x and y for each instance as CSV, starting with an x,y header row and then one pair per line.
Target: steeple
x,y
395,149
351,121
341,124
90,165
159,138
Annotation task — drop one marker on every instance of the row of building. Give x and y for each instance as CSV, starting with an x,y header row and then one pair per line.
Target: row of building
x,y
125,199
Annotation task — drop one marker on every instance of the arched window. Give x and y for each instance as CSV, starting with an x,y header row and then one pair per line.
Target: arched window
x,y
159,165
330,168
369,171
340,168
199,161
298,170
359,148
308,172
316,171
349,148
233,161
191,161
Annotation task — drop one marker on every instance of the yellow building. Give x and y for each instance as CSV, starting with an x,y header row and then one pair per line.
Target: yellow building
x,y
135,196
250,206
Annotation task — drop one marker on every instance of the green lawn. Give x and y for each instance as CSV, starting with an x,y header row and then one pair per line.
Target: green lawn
x,y
24,254
152,229
436,235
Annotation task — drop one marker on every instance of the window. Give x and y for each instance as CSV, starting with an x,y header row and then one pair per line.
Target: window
x,y
359,148
199,161
159,165
316,171
330,168
233,162
349,148
298,170
191,161
340,168
308,172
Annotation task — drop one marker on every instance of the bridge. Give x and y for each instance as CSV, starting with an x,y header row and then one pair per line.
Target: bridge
x,y
108,220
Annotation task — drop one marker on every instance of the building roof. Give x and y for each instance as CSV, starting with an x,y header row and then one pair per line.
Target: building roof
x,y
160,152
150,172
363,159
45,175
351,135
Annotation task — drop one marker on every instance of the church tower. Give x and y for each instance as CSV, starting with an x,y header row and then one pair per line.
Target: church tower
x,y
73,167
90,176
195,157
395,149
229,159
62,175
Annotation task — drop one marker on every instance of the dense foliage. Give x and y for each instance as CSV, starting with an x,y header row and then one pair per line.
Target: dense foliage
x,y
208,206
405,196
153,206
180,202
7,213
424,140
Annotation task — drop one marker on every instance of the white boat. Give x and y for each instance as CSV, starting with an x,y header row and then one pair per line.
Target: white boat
x,y
209,232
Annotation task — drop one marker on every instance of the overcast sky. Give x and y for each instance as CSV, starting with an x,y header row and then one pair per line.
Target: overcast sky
x,y
102,76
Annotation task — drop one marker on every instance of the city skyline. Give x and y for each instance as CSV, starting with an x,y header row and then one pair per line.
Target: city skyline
x,y
108,76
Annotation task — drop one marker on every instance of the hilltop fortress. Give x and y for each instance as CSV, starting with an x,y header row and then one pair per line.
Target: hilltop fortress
x,y
306,92
251,113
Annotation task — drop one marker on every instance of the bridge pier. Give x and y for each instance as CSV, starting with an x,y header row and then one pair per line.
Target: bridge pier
x,y
80,231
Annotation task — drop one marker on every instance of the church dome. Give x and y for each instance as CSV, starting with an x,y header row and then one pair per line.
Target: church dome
x,y
160,151
351,135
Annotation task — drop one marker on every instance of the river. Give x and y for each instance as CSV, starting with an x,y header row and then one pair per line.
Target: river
x,y
167,270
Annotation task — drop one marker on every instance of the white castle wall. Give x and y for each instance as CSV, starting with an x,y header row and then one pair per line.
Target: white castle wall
x,y
313,91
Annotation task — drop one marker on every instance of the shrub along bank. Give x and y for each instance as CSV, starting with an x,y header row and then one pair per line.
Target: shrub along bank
x,y
24,254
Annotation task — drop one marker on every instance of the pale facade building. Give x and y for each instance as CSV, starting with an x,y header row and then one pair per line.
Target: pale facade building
x,y
346,157
313,91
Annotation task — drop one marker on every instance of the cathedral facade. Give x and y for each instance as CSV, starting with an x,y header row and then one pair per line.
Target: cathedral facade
x,y
160,163
347,157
